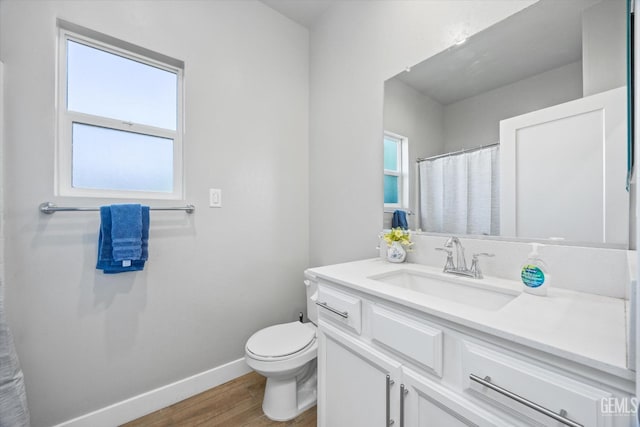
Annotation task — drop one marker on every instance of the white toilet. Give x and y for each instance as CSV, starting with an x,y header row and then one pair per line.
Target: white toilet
x,y
286,355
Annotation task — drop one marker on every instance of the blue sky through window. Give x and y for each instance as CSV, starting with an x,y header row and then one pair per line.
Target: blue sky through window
x,y
391,189
108,85
391,154
111,159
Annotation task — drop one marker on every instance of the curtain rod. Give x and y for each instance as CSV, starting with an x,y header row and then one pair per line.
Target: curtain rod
x,y
49,208
453,153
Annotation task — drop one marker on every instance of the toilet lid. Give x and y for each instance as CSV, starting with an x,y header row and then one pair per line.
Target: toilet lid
x,y
281,340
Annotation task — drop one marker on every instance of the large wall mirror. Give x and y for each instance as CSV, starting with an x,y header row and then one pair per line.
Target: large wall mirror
x,y
519,131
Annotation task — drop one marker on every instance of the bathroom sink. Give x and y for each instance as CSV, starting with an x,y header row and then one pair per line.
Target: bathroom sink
x,y
475,294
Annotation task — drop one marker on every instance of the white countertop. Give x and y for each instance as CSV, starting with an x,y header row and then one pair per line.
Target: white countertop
x,y
585,328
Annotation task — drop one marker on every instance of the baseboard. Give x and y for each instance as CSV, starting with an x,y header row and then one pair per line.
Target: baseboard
x,y
145,403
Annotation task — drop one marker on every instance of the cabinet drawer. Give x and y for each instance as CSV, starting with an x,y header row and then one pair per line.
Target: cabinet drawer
x,y
549,390
340,307
411,338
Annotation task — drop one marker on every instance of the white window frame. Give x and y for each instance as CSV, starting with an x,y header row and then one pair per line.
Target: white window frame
x,y
64,154
402,173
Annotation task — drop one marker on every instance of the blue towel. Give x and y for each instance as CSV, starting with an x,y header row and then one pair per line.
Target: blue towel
x,y
105,244
399,220
145,233
126,232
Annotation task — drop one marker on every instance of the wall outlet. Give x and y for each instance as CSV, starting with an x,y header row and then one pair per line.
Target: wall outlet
x,y
215,198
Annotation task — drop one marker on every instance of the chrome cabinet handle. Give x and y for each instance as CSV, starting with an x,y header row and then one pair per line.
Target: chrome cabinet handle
x,y
561,417
344,314
403,393
390,382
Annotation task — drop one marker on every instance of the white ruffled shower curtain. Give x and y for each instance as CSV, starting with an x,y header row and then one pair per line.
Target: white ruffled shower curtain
x,y
459,194
13,398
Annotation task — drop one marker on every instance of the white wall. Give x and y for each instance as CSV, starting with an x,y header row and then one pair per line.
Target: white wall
x,y
86,339
604,55
416,116
2,204
346,88
420,119
475,121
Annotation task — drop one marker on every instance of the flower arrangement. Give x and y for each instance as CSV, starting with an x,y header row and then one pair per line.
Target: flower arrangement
x,y
398,235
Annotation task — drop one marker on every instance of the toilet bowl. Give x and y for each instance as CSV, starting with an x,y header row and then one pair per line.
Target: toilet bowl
x,y
286,355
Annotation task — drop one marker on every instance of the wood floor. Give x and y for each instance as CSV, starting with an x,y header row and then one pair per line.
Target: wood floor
x,y
237,403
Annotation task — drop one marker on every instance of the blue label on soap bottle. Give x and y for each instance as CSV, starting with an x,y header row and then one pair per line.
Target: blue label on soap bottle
x,y
532,276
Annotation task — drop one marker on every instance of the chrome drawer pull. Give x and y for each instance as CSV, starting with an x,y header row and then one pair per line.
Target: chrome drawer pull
x,y
403,393
344,314
486,381
390,382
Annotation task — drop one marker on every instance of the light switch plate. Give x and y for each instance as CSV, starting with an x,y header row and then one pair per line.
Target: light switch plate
x,y
215,198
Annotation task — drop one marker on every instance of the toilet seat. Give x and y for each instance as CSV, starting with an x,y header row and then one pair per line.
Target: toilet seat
x,y
281,341
286,355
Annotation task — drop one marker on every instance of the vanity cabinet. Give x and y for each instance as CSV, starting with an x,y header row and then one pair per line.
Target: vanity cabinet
x,y
357,383
362,387
406,369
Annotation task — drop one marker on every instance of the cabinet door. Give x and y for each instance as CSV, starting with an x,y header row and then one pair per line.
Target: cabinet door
x,y
429,404
352,382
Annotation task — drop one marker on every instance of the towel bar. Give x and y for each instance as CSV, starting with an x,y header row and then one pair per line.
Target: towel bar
x,y
49,208
408,212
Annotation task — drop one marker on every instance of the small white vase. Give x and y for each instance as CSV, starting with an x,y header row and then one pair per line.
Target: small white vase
x,y
396,253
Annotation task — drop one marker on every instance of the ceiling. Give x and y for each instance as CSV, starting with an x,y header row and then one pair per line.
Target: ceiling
x,y
304,12
542,37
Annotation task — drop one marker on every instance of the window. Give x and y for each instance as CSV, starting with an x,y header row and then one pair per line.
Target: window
x,y
119,119
395,171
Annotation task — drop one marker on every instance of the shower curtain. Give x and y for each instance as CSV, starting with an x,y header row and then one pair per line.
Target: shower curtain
x,y
13,399
459,194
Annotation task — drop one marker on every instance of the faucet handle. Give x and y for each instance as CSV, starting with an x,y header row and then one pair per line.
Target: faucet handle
x,y
475,264
447,250
448,266
475,256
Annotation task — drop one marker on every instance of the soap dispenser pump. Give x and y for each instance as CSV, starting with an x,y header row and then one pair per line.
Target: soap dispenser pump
x,y
534,273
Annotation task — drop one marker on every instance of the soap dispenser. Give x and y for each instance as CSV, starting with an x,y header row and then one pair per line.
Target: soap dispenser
x,y
534,273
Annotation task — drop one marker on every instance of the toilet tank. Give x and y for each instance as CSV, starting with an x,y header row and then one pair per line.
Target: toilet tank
x,y
311,284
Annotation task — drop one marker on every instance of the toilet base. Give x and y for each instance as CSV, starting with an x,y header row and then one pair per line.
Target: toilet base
x,y
285,399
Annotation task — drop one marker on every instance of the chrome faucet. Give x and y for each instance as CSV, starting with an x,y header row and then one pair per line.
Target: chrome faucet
x,y
460,268
461,264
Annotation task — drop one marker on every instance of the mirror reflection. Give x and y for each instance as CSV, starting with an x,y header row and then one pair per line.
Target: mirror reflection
x,y
519,131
